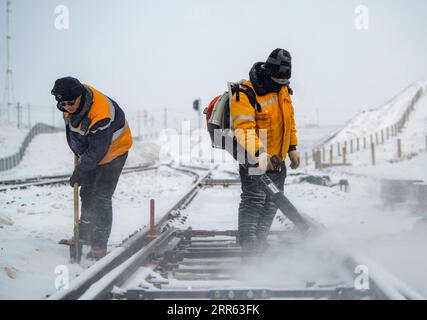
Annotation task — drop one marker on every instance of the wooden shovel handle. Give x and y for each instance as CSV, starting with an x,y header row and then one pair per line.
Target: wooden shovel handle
x,y
76,197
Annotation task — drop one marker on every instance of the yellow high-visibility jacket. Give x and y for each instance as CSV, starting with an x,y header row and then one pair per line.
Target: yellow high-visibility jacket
x,y
272,130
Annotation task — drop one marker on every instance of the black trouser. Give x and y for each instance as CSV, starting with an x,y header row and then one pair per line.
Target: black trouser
x,y
97,209
256,210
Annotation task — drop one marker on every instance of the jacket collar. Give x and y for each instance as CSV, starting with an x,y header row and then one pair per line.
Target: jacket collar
x,y
87,100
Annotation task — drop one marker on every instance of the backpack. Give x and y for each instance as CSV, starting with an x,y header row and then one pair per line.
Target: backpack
x,y
218,116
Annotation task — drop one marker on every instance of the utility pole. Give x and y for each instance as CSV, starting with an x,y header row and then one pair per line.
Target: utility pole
x,y
18,114
197,105
8,97
139,124
317,117
145,118
29,116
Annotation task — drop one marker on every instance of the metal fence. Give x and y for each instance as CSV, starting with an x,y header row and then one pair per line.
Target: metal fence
x,y
12,161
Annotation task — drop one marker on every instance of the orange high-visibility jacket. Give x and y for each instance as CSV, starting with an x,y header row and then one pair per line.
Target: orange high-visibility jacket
x,y
102,132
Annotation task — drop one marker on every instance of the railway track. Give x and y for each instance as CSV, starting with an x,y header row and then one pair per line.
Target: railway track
x,y
182,263
19,184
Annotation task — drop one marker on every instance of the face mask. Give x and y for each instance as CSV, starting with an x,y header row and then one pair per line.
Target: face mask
x,y
271,86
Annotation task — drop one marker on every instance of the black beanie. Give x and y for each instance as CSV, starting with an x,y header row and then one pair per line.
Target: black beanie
x,y
279,64
67,89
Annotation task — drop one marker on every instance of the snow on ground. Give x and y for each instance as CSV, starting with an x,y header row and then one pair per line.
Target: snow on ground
x,y
371,121
414,143
49,154
41,216
293,266
357,217
11,139
396,238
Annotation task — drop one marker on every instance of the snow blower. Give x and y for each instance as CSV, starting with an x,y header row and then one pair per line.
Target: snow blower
x,y
223,138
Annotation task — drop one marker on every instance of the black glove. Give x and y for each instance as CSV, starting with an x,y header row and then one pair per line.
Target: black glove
x,y
276,161
78,177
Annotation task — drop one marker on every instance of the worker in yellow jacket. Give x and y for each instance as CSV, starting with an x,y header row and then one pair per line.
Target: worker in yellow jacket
x,y
269,134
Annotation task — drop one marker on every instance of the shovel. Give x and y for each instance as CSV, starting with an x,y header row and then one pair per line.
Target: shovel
x,y
76,247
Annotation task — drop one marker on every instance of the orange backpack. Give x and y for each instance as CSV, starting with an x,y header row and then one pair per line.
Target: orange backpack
x,y
218,116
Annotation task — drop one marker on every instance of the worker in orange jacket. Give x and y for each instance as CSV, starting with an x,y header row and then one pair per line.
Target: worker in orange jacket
x,y
269,134
98,133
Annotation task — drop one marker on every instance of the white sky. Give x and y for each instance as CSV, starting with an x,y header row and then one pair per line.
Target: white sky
x,y
156,54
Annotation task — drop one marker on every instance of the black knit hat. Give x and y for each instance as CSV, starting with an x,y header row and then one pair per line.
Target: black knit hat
x,y
279,64
67,89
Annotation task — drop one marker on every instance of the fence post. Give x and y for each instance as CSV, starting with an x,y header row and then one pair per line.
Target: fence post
x,y
373,153
344,154
306,159
323,154
382,136
399,148
351,146
339,149
358,144
364,143
318,160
